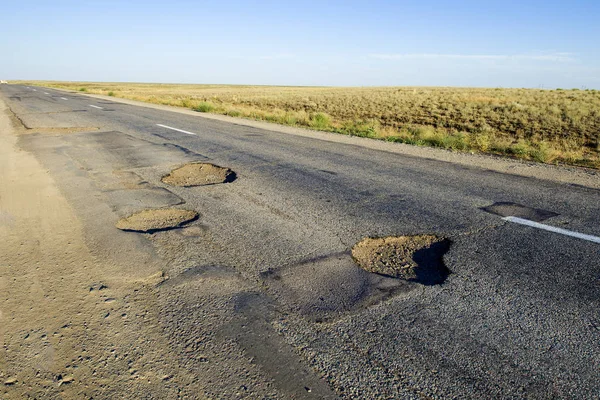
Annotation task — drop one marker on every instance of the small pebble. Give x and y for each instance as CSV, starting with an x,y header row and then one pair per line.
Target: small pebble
x,y
10,381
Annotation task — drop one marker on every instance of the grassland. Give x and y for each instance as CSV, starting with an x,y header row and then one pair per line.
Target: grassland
x,y
550,126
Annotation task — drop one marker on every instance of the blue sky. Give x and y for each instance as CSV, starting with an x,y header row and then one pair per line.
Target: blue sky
x,y
342,43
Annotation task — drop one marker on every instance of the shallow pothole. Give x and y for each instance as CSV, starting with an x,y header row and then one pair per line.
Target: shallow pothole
x,y
509,209
199,174
156,220
415,258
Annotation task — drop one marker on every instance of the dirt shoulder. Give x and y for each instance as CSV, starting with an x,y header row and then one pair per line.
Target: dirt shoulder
x,y
69,327
557,173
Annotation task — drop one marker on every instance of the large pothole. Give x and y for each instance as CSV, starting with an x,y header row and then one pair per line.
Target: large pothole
x,y
413,258
149,221
199,174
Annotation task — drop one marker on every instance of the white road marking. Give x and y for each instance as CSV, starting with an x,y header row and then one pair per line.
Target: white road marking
x,y
47,93
517,220
34,90
99,108
64,98
175,129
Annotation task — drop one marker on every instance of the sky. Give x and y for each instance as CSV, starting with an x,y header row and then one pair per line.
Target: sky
x,y
534,44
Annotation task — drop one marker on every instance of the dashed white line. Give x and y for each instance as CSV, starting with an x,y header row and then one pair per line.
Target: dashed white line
x,y
34,90
64,98
175,129
47,93
99,108
517,220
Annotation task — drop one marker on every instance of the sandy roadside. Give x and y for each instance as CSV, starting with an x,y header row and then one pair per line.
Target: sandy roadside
x,y
69,327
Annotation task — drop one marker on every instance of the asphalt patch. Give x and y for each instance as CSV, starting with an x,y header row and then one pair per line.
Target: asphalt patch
x,y
199,174
149,221
327,287
508,209
416,258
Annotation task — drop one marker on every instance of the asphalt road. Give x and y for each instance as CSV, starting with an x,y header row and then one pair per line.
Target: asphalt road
x,y
263,299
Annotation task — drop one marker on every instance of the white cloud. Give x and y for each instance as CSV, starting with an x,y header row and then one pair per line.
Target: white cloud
x,y
549,57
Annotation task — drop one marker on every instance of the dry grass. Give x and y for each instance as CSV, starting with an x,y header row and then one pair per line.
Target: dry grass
x,y
551,126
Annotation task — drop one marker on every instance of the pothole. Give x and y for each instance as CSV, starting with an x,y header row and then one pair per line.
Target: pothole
x,y
413,258
199,174
509,209
156,220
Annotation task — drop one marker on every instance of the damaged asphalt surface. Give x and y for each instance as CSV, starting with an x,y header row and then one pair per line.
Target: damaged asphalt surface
x,y
260,297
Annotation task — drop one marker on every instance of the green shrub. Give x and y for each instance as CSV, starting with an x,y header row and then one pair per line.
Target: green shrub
x,y
233,113
368,129
320,121
543,152
204,107
289,119
459,141
521,148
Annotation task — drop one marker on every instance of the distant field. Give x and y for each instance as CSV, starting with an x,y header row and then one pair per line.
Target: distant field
x,y
551,126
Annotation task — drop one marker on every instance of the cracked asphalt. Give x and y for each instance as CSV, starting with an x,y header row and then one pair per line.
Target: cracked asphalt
x,y
260,297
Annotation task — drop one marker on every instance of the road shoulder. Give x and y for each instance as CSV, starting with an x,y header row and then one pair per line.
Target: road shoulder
x,y
70,325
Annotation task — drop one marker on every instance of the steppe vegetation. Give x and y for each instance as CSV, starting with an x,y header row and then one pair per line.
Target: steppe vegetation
x,y
550,126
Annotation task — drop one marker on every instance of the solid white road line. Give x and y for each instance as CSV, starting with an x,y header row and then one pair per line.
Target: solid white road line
x,y
175,129
549,228
99,108
64,98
